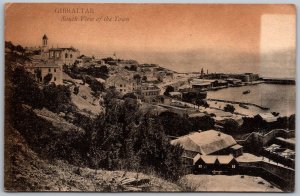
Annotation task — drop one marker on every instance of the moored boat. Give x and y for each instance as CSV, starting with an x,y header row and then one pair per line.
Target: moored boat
x,y
246,92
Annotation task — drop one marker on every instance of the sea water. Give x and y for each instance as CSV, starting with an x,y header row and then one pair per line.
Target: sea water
x,y
277,97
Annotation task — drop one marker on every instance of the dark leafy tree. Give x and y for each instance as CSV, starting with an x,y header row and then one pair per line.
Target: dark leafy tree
x,y
133,68
137,77
229,108
230,126
58,97
25,90
144,78
47,78
76,90
168,90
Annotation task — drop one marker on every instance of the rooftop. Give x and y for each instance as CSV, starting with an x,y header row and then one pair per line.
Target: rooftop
x,y
211,159
268,117
206,142
45,64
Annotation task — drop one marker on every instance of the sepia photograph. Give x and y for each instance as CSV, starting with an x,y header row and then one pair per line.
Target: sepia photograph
x,y
116,97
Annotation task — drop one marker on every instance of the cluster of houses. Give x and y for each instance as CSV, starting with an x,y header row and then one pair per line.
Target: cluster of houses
x,y
143,90
281,150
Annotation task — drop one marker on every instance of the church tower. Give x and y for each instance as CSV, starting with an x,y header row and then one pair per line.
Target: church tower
x,y
45,41
44,49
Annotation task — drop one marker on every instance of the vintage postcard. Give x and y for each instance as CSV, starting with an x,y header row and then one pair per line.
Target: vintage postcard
x,y
150,97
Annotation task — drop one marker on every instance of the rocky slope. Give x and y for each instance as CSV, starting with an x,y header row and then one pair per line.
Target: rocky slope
x,y
25,171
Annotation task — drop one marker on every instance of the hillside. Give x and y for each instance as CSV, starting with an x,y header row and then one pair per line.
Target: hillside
x,y
84,101
56,140
25,171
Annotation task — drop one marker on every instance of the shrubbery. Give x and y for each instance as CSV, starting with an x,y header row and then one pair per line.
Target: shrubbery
x,y
124,138
229,108
176,125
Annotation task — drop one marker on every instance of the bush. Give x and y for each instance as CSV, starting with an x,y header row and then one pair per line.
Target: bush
x,y
94,84
201,102
57,98
25,89
76,90
47,78
168,90
229,108
230,126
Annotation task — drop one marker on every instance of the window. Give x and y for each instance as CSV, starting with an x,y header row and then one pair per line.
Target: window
x,y
54,78
71,56
49,70
120,85
233,166
121,90
54,69
124,85
199,166
66,55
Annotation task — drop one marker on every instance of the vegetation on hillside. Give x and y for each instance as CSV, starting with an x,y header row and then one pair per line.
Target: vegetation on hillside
x,y
121,138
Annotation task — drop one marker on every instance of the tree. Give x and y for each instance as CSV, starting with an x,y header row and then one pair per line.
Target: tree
x,y
47,78
230,126
76,90
174,124
201,102
229,108
137,77
130,95
104,70
292,122
202,123
133,68
38,73
25,89
144,78
57,98
20,49
168,90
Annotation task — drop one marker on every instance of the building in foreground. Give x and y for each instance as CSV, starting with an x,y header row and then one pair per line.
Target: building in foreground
x,y
211,148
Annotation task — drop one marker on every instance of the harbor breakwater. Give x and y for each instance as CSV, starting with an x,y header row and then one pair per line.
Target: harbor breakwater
x,y
237,102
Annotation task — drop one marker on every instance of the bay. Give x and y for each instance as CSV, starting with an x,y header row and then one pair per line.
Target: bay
x,y
277,97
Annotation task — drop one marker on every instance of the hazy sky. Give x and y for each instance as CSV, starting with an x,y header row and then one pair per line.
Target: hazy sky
x,y
221,38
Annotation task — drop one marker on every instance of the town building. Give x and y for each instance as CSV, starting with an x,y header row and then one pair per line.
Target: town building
x,y
60,56
48,63
43,69
215,164
201,84
123,84
210,144
148,92
281,150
